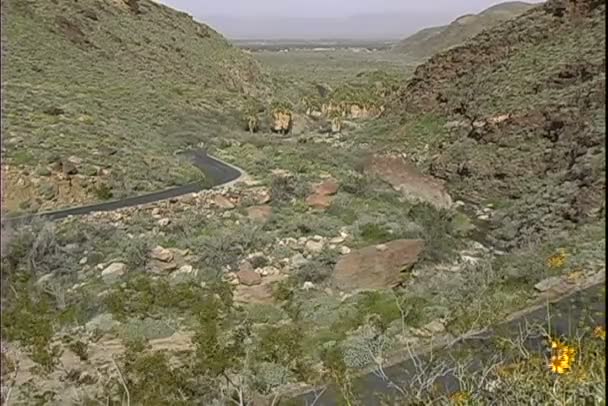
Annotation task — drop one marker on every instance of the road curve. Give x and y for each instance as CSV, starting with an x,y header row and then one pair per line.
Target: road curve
x,y
218,172
567,316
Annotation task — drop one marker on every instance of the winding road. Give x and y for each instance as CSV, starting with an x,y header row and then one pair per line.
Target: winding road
x,y
218,172
568,315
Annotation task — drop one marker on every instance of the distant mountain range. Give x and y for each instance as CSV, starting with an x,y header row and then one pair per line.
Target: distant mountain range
x,y
382,26
431,40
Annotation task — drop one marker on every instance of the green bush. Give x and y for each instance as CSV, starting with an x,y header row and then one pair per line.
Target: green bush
x,y
286,188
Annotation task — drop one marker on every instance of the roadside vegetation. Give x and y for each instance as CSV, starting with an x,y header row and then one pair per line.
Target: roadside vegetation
x,y
463,206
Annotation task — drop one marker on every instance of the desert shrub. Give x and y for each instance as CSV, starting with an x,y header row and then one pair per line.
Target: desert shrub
x,y
280,344
136,253
141,296
286,188
364,347
147,329
264,313
103,191
374,233
436,231
293,223
318,269
29,320
227,246
80,348
152,381
313,271
379,304
268,376
343,209
35,248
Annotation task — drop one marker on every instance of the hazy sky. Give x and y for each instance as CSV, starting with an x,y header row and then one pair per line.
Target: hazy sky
x,y
267,19
326,8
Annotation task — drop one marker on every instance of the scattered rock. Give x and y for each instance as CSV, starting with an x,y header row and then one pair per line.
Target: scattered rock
x,y
370,268
246,266
345,250
260,214
186,269
319,202
261,294
249,278
161,254
184,274
314,247
548,284
44,279
75,160
337,240
328,187
298,261
164,222
222,202
308,286
435,327
268,271
68,167
114,272
103,323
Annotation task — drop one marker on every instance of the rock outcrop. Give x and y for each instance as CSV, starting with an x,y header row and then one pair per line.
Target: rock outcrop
x,y
282,122
376,266
323,194
407,179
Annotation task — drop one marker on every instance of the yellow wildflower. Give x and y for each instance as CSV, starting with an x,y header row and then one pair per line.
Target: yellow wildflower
x,y
562,357
460,397
558,259
600,332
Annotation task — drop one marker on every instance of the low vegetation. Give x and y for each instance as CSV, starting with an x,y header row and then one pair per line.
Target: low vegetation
x,y
231,296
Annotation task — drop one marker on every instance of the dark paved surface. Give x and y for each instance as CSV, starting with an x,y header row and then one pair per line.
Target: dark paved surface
x,y
218,173
567,317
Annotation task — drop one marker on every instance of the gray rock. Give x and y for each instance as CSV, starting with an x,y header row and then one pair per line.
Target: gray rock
x,y
549,283
161,254
298,261
114,272
249,278
103,323
314,246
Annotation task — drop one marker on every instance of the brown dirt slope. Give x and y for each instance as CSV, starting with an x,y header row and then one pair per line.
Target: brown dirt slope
x,y
527,101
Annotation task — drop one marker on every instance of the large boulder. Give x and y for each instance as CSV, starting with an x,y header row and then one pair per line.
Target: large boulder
x,y
323,194
114,272
260,214
404,177
377,266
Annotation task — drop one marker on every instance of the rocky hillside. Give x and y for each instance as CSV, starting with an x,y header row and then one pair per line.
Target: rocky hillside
x,y
100,94
435,39
526,100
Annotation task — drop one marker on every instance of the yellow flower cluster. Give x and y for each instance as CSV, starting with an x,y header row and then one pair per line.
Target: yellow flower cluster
x,y
562,357
558,259
460,397
600,332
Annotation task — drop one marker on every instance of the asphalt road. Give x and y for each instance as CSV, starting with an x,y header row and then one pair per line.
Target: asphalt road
x,y
565,317
218,173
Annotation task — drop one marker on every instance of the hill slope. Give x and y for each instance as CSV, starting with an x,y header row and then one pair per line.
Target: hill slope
x,y
117,86
434,39
528,102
